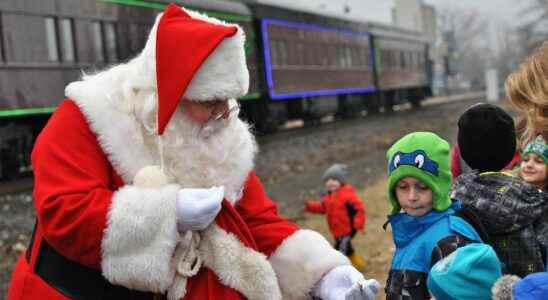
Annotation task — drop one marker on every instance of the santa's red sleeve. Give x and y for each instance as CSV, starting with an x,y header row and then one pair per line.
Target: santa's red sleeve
x,y
299,257
73,187
126,231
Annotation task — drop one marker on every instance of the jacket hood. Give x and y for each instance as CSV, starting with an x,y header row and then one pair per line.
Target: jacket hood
x,y
504,203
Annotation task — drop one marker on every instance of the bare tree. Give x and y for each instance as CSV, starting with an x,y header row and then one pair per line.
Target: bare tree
x,y
466,34
482,41
534,29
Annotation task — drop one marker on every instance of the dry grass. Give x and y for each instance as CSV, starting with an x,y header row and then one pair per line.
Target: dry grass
x,y
374,244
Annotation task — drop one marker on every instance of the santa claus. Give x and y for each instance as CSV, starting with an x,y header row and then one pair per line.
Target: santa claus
x,y
145,189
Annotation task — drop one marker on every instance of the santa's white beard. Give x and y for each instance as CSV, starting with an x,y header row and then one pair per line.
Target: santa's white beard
x,y
225,157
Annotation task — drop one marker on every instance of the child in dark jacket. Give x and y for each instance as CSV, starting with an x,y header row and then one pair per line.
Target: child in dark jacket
x,y
513,213
345,211
427,230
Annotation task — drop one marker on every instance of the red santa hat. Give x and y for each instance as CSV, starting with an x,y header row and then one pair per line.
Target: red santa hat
x,y
197,58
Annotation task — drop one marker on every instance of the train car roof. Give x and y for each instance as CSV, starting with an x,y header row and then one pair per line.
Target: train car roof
x,y
388,30
213,5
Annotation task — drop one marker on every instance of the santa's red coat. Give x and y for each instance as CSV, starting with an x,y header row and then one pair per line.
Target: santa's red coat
x,y
75,184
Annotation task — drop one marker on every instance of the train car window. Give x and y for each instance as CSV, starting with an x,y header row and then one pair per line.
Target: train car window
x,y
332,53
322,55
393,60
67,40
397,60
51,39
98,47
300,54
384,59
389,60
341,60
2,50
309,57
110,41
274,50
282,52
348,54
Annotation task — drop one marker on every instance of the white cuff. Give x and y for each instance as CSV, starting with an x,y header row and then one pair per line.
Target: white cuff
x,y
301,261
140,238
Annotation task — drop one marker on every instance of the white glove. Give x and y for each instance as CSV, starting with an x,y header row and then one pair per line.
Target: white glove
x,y
346,283
197,208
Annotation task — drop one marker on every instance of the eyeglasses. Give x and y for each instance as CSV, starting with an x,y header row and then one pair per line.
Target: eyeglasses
x,y
226,112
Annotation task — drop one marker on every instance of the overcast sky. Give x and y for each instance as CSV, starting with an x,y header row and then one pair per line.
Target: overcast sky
x,y
380,10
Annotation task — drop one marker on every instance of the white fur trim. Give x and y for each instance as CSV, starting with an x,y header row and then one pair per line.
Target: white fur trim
x,y
502,289
118,132
301,261
238,266
140,238
226,67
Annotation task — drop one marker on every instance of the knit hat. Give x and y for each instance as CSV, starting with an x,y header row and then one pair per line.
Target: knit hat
x,y
197,57
537,146
424,156
467,273
533,286
336,171
487,137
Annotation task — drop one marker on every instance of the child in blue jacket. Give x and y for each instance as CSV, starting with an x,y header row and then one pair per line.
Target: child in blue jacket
x,y
426,229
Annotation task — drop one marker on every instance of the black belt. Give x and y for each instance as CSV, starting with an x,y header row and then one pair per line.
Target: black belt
x,y
77,281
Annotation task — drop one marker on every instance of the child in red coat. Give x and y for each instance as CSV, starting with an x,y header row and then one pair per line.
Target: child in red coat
x,y
345,211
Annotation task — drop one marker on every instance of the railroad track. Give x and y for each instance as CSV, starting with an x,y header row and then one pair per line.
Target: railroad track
x,y
20,185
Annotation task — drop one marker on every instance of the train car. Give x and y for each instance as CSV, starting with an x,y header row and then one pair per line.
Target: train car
x,y
302,65
46,44
402,65
316,65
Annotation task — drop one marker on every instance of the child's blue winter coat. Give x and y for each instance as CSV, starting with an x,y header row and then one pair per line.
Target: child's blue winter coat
x,y
420,243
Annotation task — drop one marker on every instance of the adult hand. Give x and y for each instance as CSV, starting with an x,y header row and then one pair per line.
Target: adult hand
x,y
346,283
197,208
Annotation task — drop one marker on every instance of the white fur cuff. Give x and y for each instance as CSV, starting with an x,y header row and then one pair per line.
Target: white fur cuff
x,y
140,238
301,261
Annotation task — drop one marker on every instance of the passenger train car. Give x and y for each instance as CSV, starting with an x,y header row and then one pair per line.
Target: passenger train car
x,y
301,65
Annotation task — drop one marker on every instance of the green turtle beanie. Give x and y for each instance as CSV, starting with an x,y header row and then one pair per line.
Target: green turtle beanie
x,y
537,146
424,156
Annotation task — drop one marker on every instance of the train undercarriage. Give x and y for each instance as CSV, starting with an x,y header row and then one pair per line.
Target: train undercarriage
x,y
270,116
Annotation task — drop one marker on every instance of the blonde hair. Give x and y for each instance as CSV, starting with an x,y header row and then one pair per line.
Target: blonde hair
x,y
527,90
